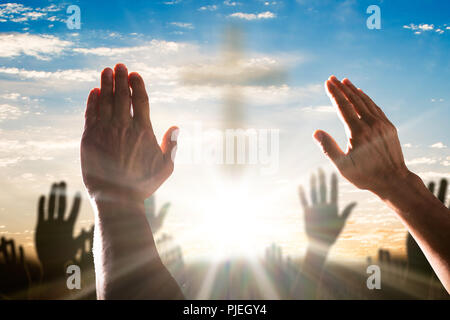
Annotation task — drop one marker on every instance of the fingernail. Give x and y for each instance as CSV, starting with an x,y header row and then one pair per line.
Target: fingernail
x,y
108,73
175,134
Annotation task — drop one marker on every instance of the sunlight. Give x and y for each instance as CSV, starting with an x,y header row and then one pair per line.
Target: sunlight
x,y
231,220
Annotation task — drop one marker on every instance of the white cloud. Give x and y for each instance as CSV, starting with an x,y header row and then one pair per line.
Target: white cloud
x,y
154,46
424,27
321,109
422,160
253,16
208,8
438,145
231,3
428,175
182,25
39,46
407,145
67,75
9,112
16,12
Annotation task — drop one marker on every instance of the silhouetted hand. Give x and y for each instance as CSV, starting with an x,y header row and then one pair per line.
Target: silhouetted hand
x,y
323,223
155,221
119,152
86,241
416,259
14,276
55,244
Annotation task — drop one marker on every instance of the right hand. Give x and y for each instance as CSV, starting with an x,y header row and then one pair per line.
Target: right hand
x,y
374,159
120,157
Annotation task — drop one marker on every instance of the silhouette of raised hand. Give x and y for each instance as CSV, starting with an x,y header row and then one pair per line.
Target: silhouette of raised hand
x,y
55,244
14,275
155,221
323,223
86,243
416,258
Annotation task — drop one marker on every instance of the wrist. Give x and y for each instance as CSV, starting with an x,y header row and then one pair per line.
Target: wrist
x,y
114,204
399,186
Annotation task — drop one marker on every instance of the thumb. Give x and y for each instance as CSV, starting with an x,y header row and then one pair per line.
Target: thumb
x,y
348,209
329,147
169,143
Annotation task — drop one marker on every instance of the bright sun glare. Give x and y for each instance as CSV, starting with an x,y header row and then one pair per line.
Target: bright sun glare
x,y
231,220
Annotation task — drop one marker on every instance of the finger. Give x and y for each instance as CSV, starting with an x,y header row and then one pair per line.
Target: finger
x,y
330,148
75,208
163,212
334,188
313,189
52,201
41,204
3,248
139,97
348,210
431,186
322,187
356,101
371,106
302,197
345,108
150,206
12,245
91,113
21,256
122,101
442,190
62,201
106,95
169,144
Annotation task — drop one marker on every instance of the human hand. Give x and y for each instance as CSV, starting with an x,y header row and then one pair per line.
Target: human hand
x,y
120,156
155,221
55,244
86,244
373,159
323,223
14,275
416,258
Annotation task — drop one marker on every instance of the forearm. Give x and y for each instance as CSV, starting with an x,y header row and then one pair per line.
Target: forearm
x,y
308,279
127,263
426,218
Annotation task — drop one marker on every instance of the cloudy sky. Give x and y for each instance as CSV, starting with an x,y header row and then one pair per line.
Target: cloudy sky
x,y
47,70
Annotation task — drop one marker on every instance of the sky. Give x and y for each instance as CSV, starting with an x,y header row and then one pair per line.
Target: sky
x,y
47,70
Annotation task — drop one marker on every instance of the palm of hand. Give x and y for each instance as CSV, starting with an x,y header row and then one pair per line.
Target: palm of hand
x,y
323,223
54,239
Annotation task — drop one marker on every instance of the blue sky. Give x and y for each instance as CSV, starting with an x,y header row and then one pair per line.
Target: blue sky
x,y
46,71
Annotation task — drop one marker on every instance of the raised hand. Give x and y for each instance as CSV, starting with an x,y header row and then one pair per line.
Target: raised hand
x,y
55,243
14,276
122,165
86,244
416,259
119,152
374,161
155,221
323,223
